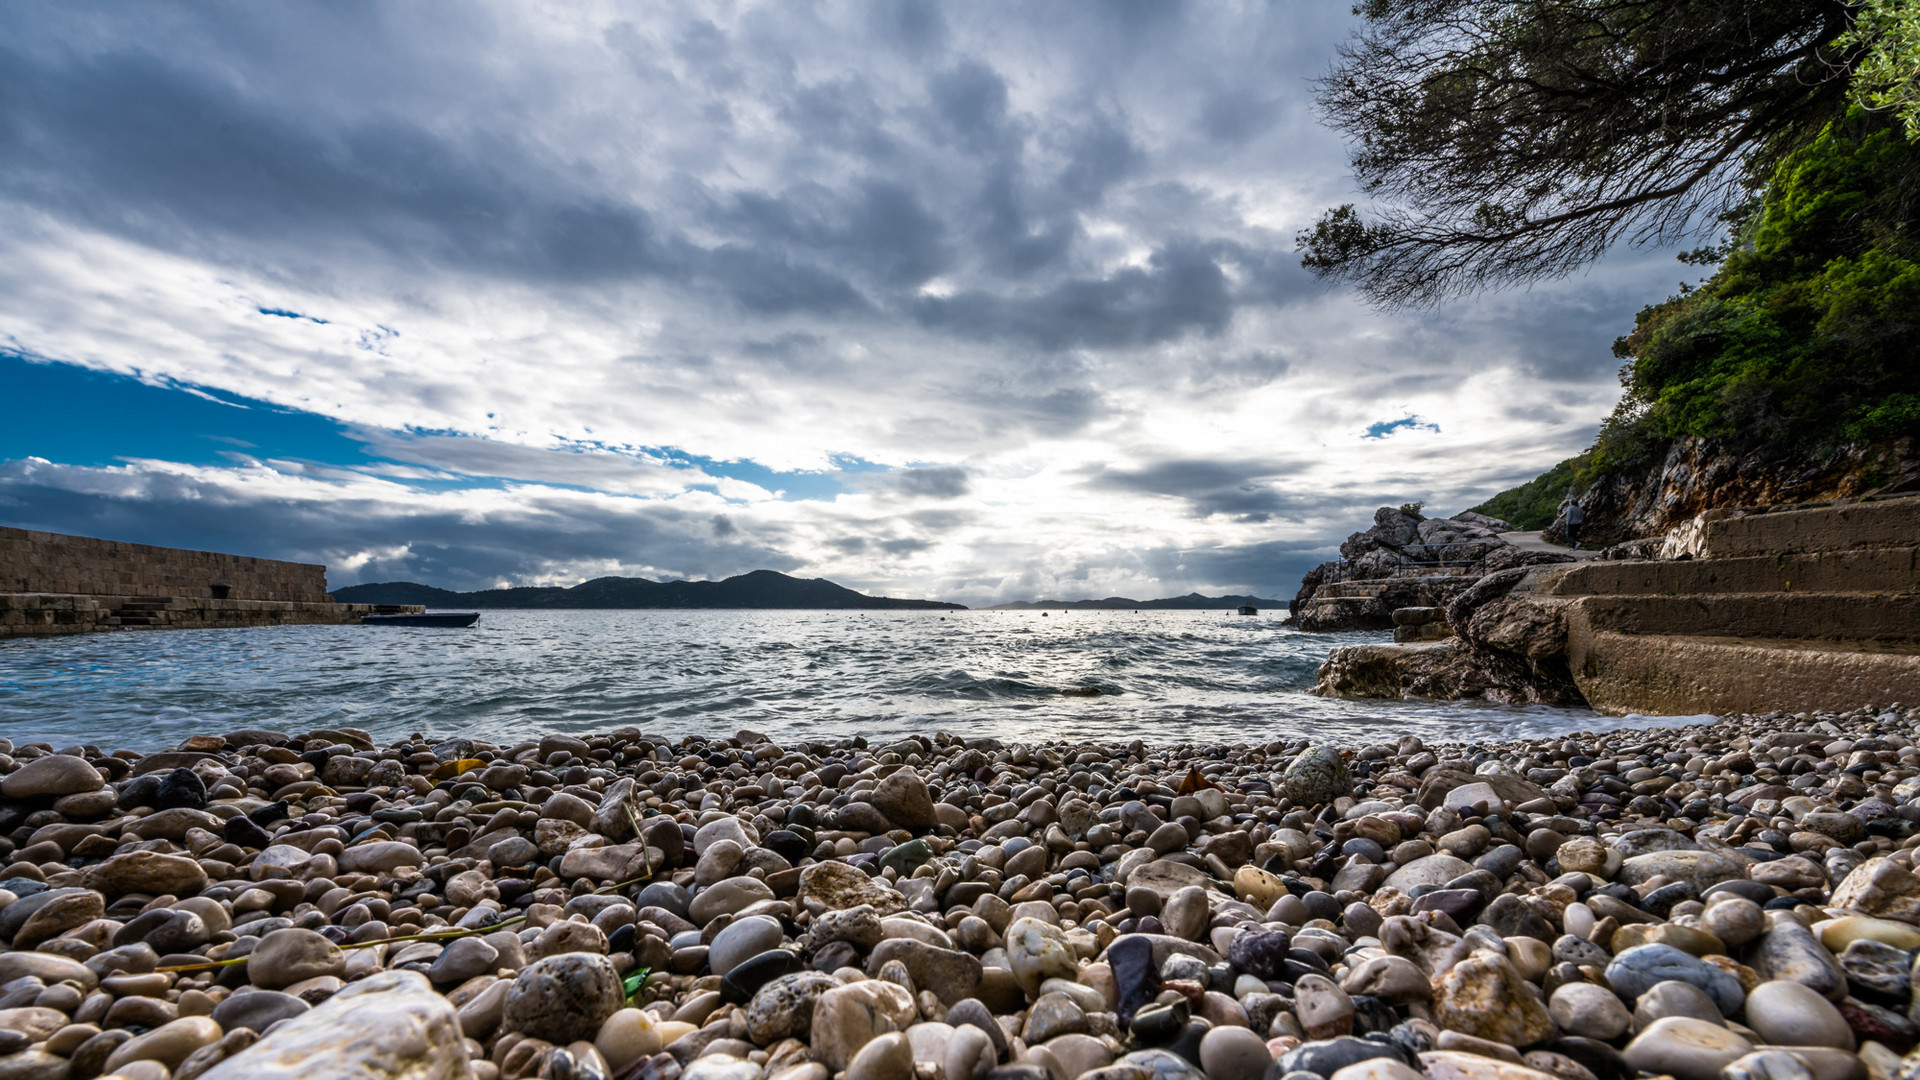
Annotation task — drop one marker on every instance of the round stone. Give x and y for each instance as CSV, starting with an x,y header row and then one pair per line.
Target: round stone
x,y
293,955
741,939
1325,1010
1234,1053
1589,1011
1735,921
257,1010
888,1057
627,1036
1789,1014
1038,951
783,1008
1674,998
1317,775
563,998
51,777
169,1044
1685,1048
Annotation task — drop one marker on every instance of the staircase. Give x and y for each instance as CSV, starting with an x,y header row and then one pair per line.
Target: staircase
x,y
141,611
1783,609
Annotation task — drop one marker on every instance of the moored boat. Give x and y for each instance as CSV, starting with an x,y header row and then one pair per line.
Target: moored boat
x,y
434,618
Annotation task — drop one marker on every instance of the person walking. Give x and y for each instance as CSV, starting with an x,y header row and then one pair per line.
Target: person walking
x,y
1574,520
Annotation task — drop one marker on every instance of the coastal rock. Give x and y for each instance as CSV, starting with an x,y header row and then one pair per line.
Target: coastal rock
x,y
950,974
1431,870
1038,951
838,886
1880,888
1485,997
257,1010
389,1026
169,1044
1701,869
848,1017
783,1008
1234,1053
741,939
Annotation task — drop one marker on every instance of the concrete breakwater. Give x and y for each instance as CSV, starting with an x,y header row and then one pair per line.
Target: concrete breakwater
x,y
52,583
1729,902
1738,610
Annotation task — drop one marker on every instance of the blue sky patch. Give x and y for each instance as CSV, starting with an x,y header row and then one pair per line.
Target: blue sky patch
x,y
78,416
1409,422
283,313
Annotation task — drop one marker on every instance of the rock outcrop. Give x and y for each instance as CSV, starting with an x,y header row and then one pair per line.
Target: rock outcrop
x,y
1406,562
1798,607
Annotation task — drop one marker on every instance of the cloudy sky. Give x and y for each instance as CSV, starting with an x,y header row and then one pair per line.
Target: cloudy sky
x,y
974,301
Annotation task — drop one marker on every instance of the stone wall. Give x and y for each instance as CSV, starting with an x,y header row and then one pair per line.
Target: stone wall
x,y
57,614
44,562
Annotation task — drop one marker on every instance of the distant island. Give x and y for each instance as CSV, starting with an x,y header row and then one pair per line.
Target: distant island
x,y
1189,602
759,589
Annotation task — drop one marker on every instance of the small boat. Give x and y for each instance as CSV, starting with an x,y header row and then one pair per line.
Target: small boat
x,y
435,618
1249,609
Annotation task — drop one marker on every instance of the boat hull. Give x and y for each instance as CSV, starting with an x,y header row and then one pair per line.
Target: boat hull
x,y
448,618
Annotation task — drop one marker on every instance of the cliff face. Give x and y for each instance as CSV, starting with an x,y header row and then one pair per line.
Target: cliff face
x,y
1701,474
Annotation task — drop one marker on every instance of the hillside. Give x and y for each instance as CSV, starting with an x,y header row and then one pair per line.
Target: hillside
x,y
1791,374
1189,602
759,589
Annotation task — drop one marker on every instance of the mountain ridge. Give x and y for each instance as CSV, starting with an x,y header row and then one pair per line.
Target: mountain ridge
x,y
759,589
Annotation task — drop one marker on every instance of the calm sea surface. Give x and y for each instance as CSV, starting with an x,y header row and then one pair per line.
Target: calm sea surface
x,y
1163,676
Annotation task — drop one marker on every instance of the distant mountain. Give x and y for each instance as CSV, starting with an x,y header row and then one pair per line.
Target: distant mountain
x,y
759,589
1189,602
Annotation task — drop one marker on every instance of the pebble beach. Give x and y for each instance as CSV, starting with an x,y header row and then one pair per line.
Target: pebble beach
x,y
1727,901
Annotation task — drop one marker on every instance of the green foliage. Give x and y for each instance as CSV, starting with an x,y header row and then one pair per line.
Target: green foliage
x,y
1534,504
1809,334
1887,74
1413,509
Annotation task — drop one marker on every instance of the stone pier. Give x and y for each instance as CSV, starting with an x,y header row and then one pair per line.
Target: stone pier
x,y
52,583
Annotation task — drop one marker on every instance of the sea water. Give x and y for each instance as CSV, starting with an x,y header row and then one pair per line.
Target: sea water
x,y
1164,677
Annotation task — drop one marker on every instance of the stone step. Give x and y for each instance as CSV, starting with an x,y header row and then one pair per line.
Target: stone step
x,y
1817,616
1882,570
1676,675
1886,523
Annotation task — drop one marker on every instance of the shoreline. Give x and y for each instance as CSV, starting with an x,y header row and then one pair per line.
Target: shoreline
x,y
940,909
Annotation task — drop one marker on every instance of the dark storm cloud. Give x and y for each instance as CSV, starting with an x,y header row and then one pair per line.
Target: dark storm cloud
x,y
933,482
168,136
1248,491
1182,289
